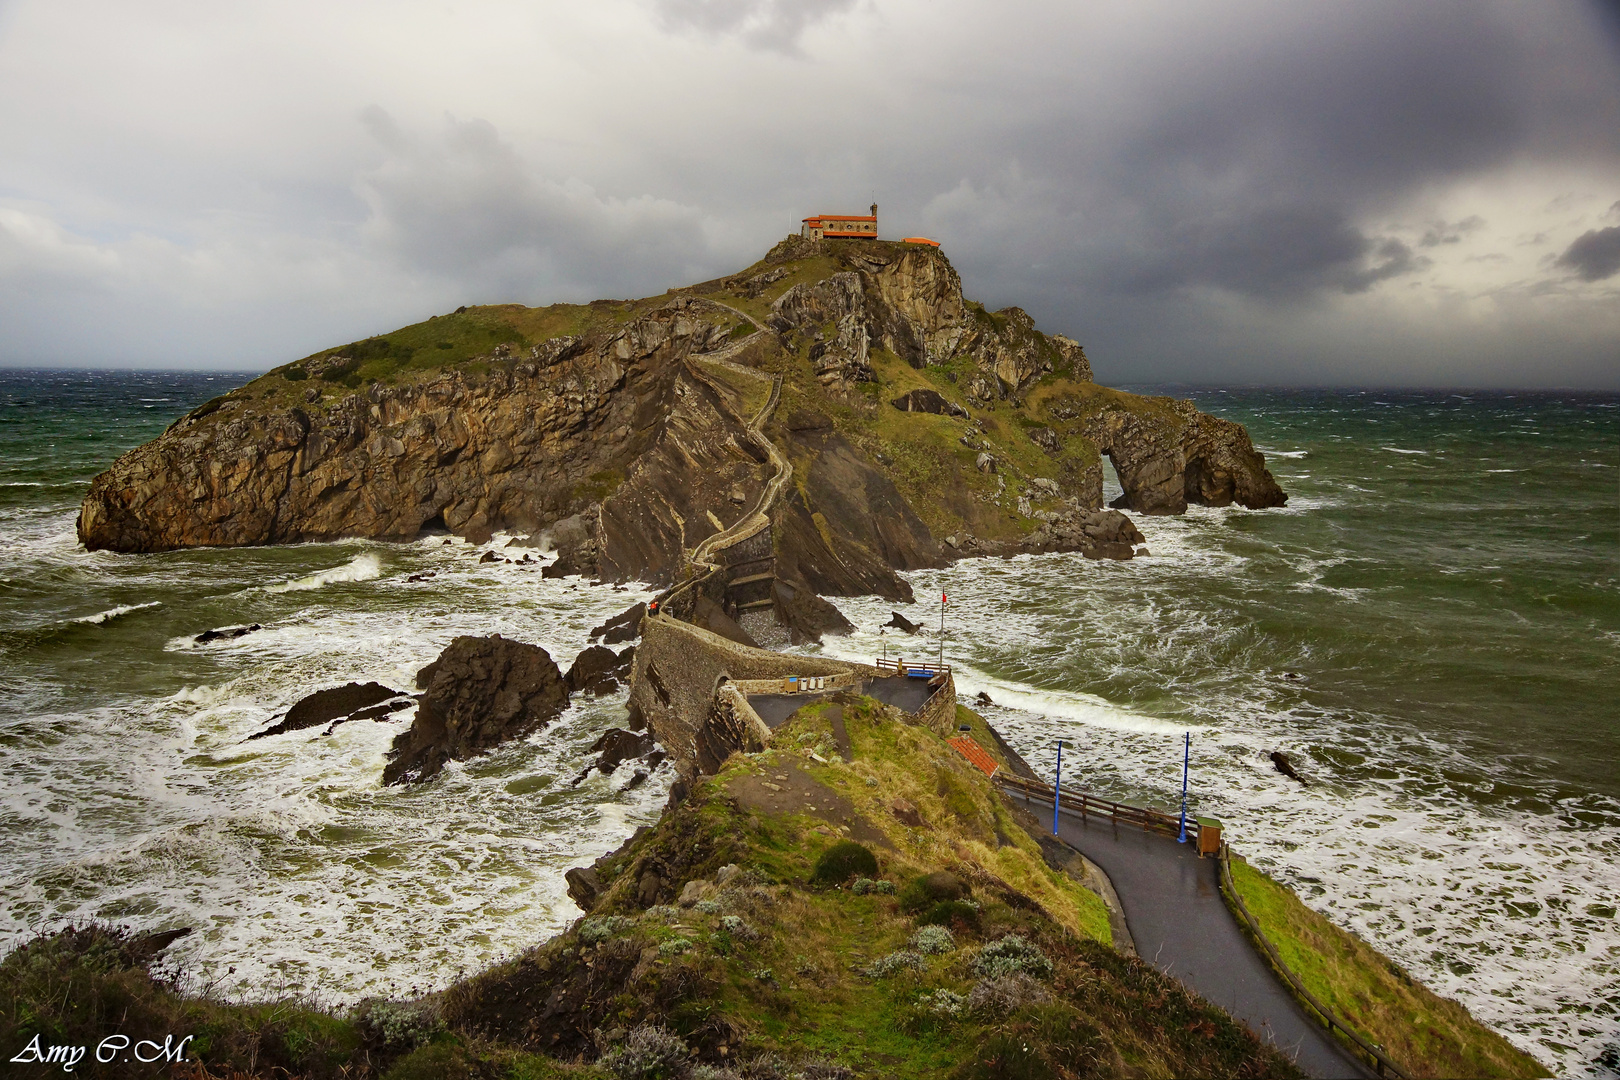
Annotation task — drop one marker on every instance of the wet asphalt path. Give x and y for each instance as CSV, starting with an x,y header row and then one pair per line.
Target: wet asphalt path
x,y
1181,925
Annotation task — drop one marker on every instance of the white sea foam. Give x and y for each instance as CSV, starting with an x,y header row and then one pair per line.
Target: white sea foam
x,y
1398,450
366,567
304,871
113,613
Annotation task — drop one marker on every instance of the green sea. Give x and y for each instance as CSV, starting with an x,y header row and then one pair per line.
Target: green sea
x,y
1430,629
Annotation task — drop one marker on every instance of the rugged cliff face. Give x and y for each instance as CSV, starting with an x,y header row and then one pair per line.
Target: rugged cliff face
x,y
635,430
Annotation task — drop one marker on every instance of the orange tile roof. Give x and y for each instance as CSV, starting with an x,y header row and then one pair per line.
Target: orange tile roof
x,y
920,240
840,217
975,754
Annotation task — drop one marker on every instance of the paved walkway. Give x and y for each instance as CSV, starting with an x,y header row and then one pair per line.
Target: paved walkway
x,y
1173,906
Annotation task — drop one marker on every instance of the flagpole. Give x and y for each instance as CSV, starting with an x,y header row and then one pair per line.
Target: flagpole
x,y
1186,756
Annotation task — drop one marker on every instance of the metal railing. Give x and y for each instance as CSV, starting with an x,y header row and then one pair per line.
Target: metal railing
x,y
1380,1062
1087,805
919,668
1079,802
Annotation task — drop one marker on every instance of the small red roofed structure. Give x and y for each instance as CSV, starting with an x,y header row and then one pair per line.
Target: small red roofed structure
x,y
840,226
975,754
920,240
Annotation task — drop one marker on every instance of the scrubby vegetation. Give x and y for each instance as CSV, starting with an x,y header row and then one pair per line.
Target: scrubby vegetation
x,y
1423,1033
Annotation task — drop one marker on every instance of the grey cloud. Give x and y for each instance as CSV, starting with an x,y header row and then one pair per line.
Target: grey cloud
x,y
1442,233
1594,255
463,204
765,24
1275,253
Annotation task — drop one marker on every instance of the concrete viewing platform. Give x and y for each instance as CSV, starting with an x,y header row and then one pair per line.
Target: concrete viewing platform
x,y
906,694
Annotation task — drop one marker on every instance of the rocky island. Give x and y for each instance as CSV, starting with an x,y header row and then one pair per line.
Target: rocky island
x,y
920,427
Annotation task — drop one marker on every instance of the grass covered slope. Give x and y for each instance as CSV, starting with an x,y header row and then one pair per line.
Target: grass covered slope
x,y
1423,1033
884,915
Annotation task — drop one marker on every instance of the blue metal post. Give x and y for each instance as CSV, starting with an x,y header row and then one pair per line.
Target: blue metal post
x,y
1186,757
1057,788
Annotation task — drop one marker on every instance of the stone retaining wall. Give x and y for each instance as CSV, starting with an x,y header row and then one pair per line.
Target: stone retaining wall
x,y
680,667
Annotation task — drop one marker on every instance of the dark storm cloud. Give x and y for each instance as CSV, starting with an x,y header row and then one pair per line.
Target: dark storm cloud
x,y
1249,176
1594,255
1275,253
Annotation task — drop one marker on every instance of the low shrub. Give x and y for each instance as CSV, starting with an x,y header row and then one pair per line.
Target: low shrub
x,y
647,1053
400,1026
674,946
593,931
930,889
995,997
843,861
943,1003
896,962
1010,955
932,939
954,913
864,886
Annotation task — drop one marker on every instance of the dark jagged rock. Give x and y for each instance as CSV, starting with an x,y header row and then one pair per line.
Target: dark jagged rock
x,y
623,627
872,530
576,548
983,699
617,745
1097,534
480,692
228,633
712,617
598,670
900,622
583,886
927,401
1286,767
806,616
325,705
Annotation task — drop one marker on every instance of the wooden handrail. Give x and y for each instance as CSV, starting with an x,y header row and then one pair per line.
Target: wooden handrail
x,y
1380,1061
884,664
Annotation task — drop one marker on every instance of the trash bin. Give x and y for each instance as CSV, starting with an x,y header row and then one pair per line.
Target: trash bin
x,y
1209,836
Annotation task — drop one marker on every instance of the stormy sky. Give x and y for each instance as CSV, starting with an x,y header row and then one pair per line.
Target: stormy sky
x,y
1362,193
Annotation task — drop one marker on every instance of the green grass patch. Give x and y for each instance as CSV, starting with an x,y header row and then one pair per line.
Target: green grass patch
x,y
1423,1033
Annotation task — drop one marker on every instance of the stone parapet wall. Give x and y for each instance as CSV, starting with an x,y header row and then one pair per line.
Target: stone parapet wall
x,y
938,713
680,667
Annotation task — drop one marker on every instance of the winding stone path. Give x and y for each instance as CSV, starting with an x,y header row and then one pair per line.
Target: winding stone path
x,y
1181,925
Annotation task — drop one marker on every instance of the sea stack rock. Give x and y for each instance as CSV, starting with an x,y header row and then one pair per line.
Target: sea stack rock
x,y
480,692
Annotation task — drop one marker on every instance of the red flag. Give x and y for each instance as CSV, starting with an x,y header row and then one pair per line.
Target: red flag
x,y
943,598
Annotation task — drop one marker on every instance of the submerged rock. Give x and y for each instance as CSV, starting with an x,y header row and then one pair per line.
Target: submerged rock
x,y
346,702
1286,767
227,633
480,692
900,622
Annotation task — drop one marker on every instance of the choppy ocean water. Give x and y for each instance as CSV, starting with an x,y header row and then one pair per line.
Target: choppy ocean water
x,y
1430,628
